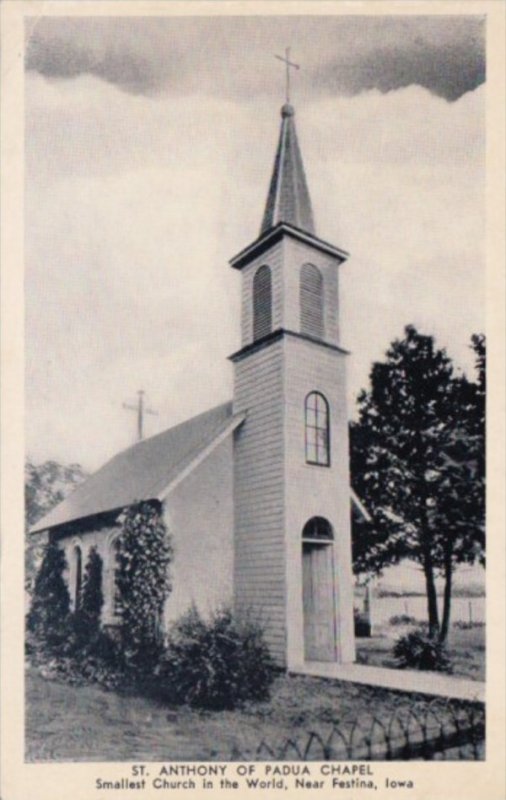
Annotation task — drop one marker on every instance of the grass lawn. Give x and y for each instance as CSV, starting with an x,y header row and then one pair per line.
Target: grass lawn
x,y
87,723
466,647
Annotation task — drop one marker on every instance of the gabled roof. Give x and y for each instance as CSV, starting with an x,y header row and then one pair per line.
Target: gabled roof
x,y
288,199
146,471
150,469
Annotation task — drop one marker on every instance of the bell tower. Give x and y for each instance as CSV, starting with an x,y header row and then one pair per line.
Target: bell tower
x,y
291,473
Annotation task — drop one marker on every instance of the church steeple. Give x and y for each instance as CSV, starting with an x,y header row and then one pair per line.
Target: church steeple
x,y
288,199
291,453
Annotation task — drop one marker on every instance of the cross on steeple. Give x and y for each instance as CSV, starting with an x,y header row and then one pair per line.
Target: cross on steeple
x,y
141,410
286,60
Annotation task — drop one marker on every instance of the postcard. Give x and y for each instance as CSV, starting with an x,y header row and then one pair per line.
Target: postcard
x,y
253,399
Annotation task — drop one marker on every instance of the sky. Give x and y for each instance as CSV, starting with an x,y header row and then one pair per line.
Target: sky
x,y
149,148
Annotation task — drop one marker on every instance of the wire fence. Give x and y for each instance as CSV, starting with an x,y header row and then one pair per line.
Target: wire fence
x,y
428,732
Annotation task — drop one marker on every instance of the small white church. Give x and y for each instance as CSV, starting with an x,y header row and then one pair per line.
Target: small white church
x,y
255,492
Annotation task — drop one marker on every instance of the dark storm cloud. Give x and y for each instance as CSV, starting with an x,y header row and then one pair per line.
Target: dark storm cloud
x,y
68,60
232,56
65,48
448,65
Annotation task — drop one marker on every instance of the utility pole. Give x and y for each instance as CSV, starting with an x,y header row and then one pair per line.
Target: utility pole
x,y
141,410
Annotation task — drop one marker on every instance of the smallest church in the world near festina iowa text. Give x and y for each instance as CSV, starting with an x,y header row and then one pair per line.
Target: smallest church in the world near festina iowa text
x,y
255,492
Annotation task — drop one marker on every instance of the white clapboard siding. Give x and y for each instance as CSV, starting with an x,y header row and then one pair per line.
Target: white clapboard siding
x,y
275,490
258,486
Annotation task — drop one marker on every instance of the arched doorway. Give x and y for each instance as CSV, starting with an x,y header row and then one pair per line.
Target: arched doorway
x,y
318,590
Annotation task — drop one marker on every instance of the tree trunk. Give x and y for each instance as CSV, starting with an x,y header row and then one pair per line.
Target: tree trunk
x,y
426,545
430,585
445,625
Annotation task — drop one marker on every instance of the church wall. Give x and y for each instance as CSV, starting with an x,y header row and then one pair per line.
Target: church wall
x,y
100,538
199,514
259,492
273,259
313,490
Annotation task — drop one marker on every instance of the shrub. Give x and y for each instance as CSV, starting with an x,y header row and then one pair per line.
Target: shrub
x,y
402,619
87,616
102,661
417,650
106,648
49,616
362,624
99,661
217,663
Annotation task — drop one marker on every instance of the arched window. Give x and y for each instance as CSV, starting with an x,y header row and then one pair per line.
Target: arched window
x,y
78,576
317,430
318,529
311,301
262,302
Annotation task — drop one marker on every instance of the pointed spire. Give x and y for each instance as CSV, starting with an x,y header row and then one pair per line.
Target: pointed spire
x,y
288,199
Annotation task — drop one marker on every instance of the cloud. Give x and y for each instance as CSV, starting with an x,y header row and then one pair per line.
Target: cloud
x,y
132,71
448,72
67,48
232,56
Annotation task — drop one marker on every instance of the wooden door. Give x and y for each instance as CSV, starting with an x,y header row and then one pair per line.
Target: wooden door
x,y
318,602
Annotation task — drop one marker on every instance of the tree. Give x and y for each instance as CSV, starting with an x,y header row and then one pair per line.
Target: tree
x,y
50,608
462,477
415,461
87,616
46,485
143,579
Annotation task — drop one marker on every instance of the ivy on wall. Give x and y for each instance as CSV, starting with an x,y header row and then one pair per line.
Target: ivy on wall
x,y
143,580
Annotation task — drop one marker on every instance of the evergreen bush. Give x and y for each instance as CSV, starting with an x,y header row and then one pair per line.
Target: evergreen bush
x,y
87,616
418,650
49,619
217,663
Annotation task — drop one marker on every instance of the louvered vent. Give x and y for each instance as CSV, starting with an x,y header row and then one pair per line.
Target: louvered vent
x,y
262,303
311,301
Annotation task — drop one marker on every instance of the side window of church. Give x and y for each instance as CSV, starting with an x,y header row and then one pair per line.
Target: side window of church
x,y
317,430
262,302
311,301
